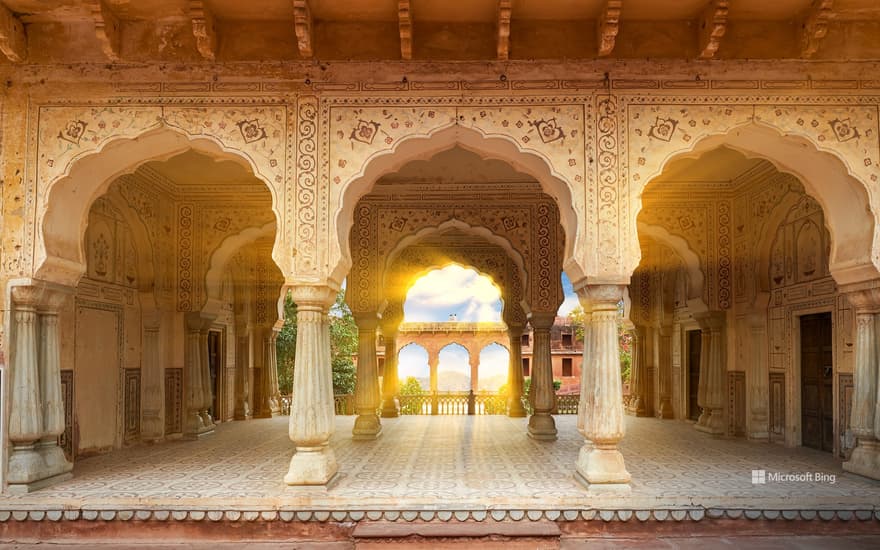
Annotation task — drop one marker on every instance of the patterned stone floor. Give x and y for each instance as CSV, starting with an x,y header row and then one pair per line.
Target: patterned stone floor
x,y
447,462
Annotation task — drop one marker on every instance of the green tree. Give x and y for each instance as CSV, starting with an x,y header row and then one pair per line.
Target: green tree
x,y
411,386
577,318
414,403
343,346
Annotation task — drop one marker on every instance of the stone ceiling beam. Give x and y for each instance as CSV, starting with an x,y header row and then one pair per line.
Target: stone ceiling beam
x,y
108,30
302,24
13,40
713,26
815,27
404,22
504,11
608,25
203,29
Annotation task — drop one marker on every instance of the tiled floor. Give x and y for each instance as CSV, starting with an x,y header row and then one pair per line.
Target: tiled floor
x,y
447,462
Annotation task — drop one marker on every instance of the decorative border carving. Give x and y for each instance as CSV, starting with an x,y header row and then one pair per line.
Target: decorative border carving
x,y
66,439
173,401
132,405
777,406
844,412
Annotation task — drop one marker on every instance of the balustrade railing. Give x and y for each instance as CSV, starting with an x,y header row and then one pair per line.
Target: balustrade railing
x,y
448,403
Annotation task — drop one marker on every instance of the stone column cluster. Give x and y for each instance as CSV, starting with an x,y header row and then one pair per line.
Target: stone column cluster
x,y
542,395
711,388
865,420
267,396
36,412
199,394
600,464
664,371
312,414
243,363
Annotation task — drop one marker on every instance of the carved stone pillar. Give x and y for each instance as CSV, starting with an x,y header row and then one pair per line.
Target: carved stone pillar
x,y
194,396
865,419
664,370
600,464
311,409
391,319
541,423
272,363
242,371
433,366
152,380
702,381
638,375
263,382
366,393
36,412
205,371
587,371
715,373
474,361
515,407
759,378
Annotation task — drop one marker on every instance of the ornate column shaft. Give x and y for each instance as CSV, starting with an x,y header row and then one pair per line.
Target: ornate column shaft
x,y
263,378
600,464
311,411
433,366
274,392
759,379
702,381
715,373
390,380
541,423
515,407
366,393
152,380
242,372
474,362
638,375
865,419
205,370
194,395
664,371
36,413
588,371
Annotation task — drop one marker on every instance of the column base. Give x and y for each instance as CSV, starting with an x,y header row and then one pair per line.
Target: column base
x,y
864,460
515,408
53,456
366,427
29,471
703,418
391,408
665,410
542,427
207,419
714,423
603,466
312,466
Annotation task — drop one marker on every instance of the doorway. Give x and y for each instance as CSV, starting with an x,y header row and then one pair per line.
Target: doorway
x,y
214,367
694,343
817,369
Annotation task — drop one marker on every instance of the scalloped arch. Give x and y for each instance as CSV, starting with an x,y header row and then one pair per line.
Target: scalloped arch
x,y
60,226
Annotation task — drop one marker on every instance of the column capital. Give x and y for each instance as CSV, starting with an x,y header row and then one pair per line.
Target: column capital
x,y
314,297
198,320
366,321
864,297
542,319
37,294
710,320
594,297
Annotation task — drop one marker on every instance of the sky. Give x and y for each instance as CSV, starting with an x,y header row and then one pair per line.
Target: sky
x,y
471,297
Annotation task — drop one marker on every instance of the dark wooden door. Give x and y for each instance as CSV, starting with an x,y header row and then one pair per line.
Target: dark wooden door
x,y
214,367
817,416
693,368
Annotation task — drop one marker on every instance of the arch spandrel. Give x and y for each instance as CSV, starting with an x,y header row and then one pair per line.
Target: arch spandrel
x,y
83,149
835,158
545,141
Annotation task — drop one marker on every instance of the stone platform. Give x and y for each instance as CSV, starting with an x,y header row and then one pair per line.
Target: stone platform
x,y
446,466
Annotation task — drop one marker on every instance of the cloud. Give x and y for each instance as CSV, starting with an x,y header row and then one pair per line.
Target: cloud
x,y
453,289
